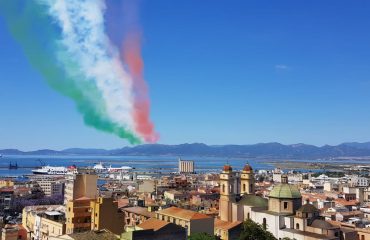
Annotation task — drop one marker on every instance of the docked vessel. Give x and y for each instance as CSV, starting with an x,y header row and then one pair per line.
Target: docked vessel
x,y
49,170
101,168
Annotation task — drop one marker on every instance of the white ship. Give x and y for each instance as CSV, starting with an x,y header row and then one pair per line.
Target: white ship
x,y
100,168
49,170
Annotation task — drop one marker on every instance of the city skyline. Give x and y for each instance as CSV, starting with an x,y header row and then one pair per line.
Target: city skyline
x,y
237,73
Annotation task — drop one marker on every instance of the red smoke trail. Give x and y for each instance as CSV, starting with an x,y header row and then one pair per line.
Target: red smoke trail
x,y
132,57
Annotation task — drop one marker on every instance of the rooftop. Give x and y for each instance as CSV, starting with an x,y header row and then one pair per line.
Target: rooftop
x,y
253,200
308,208
139,211
183,213
94,235
153,223
322,224
285,190
224,225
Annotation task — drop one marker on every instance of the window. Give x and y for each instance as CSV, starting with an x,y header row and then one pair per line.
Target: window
x,y
244,187
223,188
285,205
264,225
297,226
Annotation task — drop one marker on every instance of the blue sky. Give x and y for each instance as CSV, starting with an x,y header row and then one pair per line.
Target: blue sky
x,y
219,72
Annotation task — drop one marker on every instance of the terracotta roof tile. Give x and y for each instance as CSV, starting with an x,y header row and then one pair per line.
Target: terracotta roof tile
x,y
224,225
153,223
183,213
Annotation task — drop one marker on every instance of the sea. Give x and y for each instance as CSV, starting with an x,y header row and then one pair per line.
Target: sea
x,y
162,164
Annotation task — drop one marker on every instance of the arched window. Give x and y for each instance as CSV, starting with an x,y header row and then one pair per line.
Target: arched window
x,y
248,216
297,226
223,188
264,225
243,187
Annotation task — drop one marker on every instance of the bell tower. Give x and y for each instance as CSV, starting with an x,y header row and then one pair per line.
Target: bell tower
x,y
229,188
247,180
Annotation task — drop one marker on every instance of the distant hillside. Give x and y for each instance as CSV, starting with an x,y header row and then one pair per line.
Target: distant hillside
x,y
260,150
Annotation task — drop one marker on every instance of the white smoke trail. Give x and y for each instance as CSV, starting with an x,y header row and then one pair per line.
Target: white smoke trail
x,y
85,40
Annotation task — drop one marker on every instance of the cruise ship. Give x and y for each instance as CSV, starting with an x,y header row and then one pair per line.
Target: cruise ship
x,y
101,168
49,170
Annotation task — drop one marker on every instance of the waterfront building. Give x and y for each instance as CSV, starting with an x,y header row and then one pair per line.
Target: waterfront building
x,y
6,183
186,166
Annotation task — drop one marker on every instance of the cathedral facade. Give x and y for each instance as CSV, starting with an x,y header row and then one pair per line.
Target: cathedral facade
x,y
282,213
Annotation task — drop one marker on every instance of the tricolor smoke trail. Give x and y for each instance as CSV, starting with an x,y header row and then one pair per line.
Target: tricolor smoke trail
x,y
66,41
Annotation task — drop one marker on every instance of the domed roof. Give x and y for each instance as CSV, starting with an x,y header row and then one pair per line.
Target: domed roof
x,y
322,224
227,168
308,208
284,190
253,201
247,168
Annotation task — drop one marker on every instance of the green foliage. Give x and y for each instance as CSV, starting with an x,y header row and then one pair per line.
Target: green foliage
x,y
202,236
254,231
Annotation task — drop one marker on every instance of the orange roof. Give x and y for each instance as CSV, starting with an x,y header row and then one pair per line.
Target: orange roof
x,y
83,199
344,202
247,168
183,213
139,211
228,168
123,202
153,223
351,213
224,225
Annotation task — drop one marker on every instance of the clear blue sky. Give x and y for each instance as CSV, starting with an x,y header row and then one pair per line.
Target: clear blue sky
x,y
219,72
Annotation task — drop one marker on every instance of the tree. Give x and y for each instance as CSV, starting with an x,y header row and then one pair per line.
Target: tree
x,y
202,236
254,231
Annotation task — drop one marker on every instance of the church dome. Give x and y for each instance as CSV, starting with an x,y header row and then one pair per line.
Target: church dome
x,y
284,190
228,168
253,201
247,168
308,208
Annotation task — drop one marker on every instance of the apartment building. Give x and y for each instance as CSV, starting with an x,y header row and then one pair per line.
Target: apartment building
x,y
44,221
194,222
80,185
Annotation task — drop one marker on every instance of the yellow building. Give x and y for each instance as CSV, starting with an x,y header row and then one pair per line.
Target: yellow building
x,y
42,222
85,214
105,215
78,215
6,183
80,185
194,222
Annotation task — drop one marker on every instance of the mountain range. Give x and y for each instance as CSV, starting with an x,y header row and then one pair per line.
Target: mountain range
x,y
260,150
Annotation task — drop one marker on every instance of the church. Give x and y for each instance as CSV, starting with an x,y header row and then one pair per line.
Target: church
x,y
282,213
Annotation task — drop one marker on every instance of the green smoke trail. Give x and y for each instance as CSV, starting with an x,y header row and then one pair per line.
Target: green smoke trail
x,y
33,29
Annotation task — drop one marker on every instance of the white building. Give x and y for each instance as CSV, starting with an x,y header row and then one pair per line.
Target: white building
x,y
186,166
